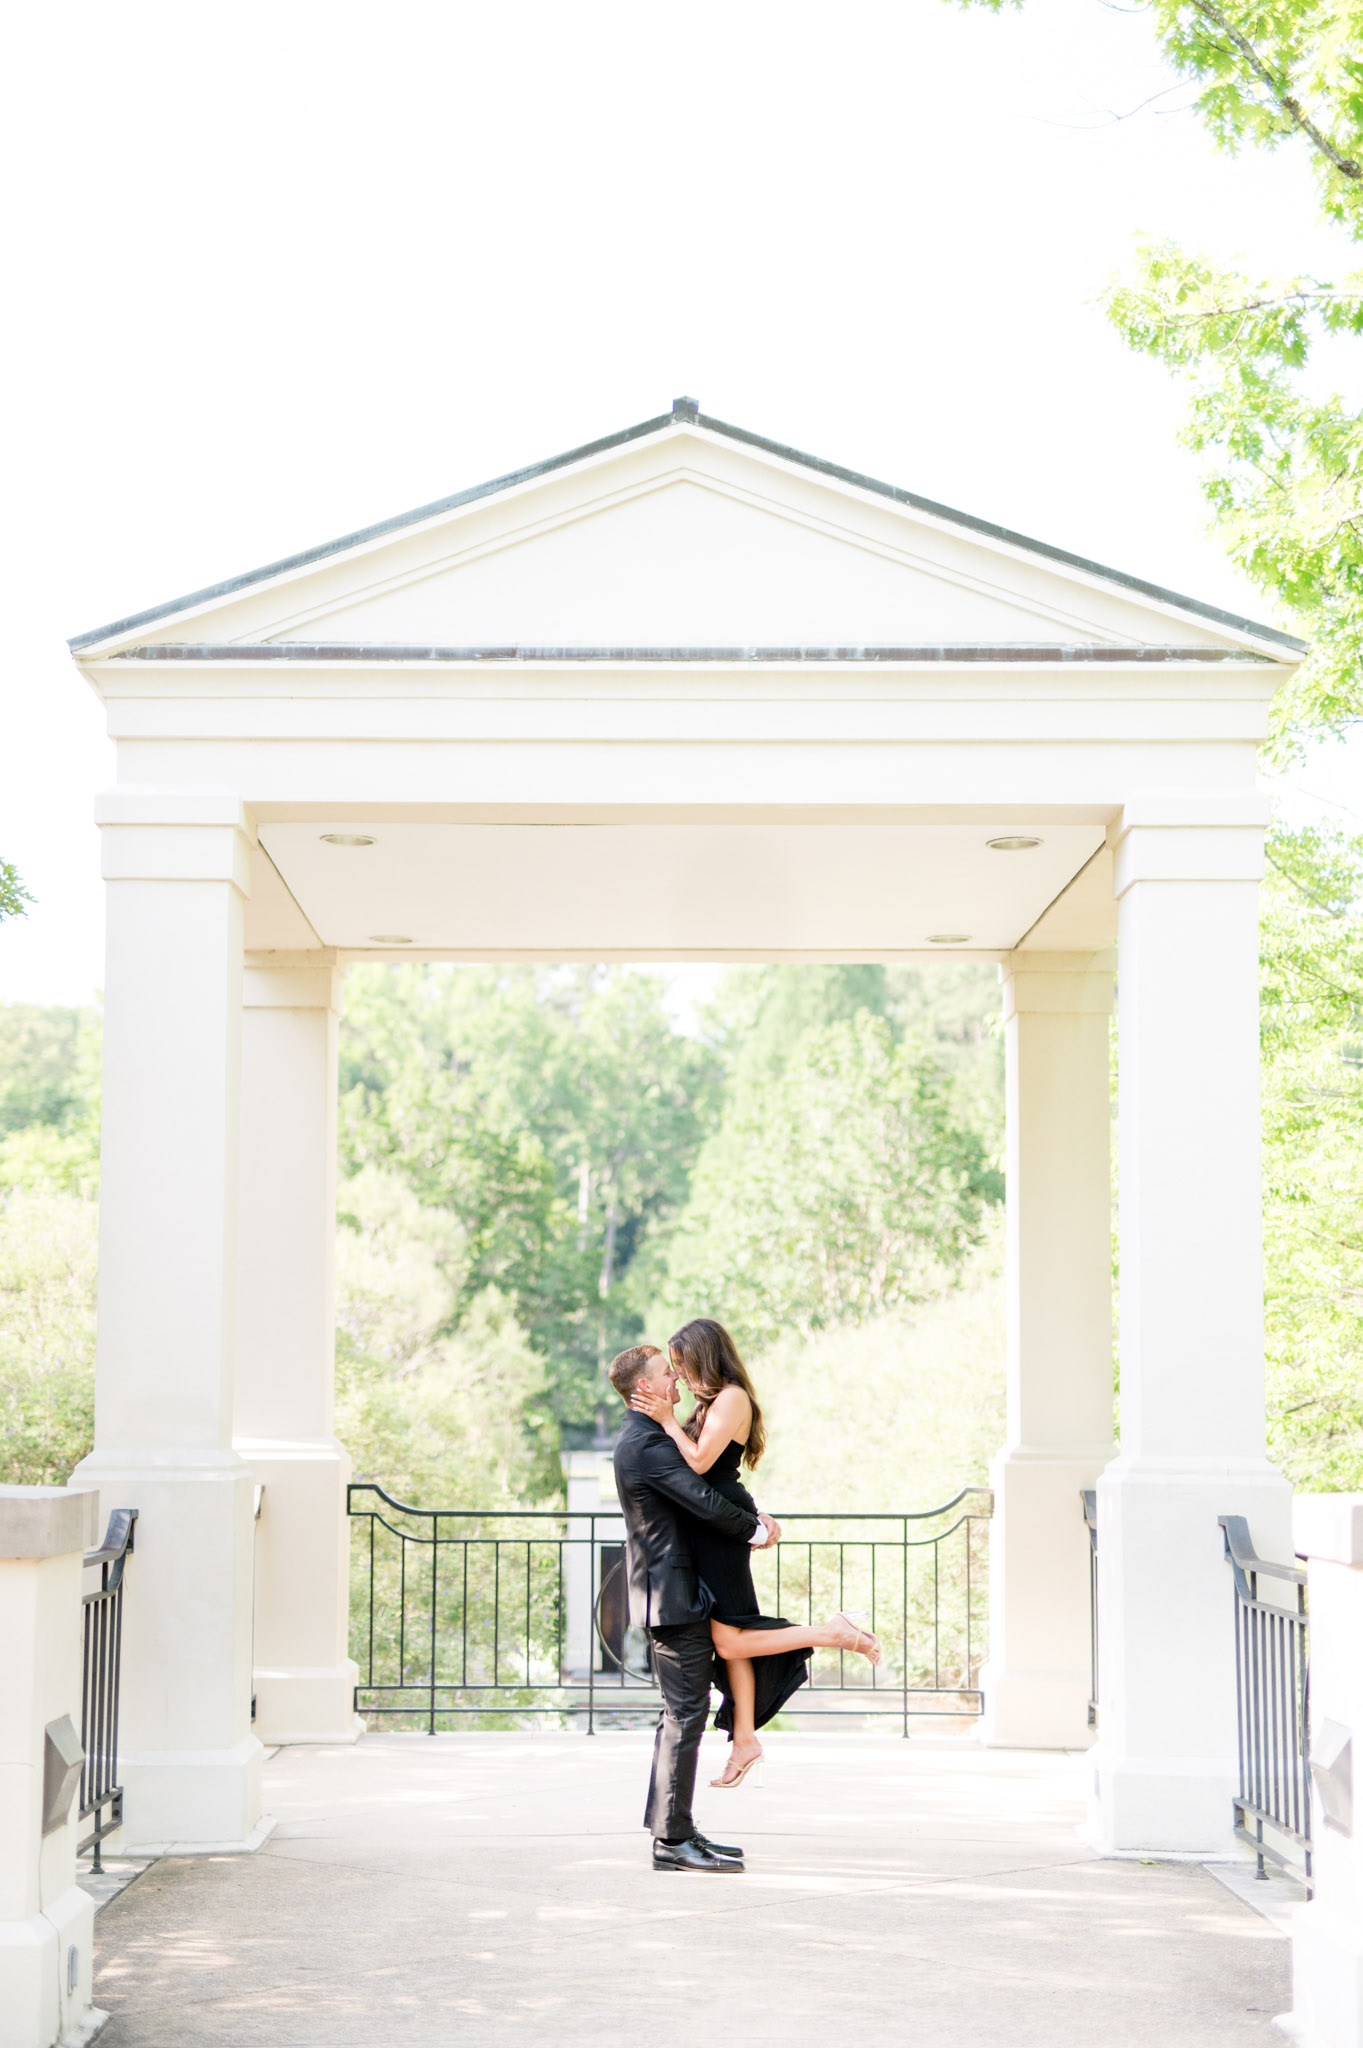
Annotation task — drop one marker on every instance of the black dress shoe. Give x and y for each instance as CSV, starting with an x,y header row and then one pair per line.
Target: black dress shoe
x,y
692,1855
727,1850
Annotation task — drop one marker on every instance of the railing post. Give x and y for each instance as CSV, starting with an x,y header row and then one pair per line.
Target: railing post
x,y
591,1638
1274,1790
1089,1500
102,1636
904,1667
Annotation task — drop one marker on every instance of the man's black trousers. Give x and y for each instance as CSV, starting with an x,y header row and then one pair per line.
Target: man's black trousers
x,y
684,1658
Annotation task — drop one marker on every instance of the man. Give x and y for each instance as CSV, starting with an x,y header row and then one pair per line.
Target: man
x,y
658,1493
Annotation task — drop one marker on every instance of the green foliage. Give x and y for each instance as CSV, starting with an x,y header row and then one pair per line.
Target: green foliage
x,y
48,1253
1284,460
477,1289
432,1412
49,1066
13,894
844,1179
1312,1034
49,1177
1275,73
555,1113
901,1410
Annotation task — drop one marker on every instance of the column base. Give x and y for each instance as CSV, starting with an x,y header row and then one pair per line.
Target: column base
x,y
1178,1805
188,1762
304,1680
36,2008
1327,1979
1165,1770
1035,1710
205,1799
307,1704
1038,1678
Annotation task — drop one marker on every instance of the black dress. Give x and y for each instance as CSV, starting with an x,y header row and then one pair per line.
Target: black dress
x,y
724,1567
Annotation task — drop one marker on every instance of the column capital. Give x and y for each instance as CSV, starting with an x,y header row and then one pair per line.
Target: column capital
x,y
155,834
293,981
1076,984
1189,836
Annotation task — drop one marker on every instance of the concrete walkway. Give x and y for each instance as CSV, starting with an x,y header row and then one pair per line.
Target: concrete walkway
x,y
493,1891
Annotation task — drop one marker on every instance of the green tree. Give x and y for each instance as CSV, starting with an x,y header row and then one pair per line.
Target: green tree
x,y
49,1065
759,1014
846,1182
555,1113
1284,460
49,1097
440,1416
1312,1033
48,1254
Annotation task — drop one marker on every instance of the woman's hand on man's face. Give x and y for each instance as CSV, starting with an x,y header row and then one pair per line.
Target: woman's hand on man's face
x,y
653,1402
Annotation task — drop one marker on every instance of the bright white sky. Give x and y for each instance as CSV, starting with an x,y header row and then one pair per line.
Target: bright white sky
x,y
280,270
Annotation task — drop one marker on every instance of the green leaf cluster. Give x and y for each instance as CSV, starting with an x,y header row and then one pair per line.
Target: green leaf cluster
x,y
427,1400
1283,466
556,1114
853,1161
1312,1036
1284,477
13,894
48,1263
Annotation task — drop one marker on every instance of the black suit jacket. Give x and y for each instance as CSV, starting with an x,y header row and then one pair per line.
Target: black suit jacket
x,y
658,1491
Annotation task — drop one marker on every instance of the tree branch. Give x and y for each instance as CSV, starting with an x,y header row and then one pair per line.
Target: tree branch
x,y
1302,889
1324,295
1294,110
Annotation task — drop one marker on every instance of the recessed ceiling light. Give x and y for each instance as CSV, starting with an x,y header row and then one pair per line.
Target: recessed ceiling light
x,y
388,939
346,839
948,938
1012,843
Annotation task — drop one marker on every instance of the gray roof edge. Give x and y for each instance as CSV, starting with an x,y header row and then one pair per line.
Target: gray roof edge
x,y
1006,534
395,524
987,528
322,652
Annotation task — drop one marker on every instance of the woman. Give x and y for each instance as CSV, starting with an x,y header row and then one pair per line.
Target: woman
x,y
759,1668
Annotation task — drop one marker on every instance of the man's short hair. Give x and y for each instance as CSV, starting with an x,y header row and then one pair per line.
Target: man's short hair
x,y
627,1367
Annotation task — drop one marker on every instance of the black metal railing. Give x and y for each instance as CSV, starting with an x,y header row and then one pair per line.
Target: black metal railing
x,y
257,1498
1089,1500
101,1795
1272,1810
502,1614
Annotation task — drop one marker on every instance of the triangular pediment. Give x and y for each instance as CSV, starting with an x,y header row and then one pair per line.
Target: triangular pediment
x,y
685,537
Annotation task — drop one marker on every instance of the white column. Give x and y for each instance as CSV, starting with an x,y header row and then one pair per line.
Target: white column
x,y
1327,1934
1192,1377
1037,1682
304,1678
582,1479
176,863
46,1920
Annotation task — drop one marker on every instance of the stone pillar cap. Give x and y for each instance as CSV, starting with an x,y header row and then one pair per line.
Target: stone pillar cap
x,y
48,1521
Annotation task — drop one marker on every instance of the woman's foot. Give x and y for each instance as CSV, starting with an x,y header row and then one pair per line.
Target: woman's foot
x,y
851,1637
740,1763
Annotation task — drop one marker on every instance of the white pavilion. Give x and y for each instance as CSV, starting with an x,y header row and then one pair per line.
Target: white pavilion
x,y
685,693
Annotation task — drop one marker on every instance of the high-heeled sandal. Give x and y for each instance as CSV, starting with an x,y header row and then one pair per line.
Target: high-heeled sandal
x,y
728,1784
873,1655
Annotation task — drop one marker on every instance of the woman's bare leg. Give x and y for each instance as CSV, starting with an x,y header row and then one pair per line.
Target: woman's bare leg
x,y
736,1644
743,1688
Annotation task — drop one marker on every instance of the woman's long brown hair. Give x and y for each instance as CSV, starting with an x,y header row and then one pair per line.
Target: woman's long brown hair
x,y
709,1360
